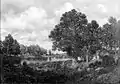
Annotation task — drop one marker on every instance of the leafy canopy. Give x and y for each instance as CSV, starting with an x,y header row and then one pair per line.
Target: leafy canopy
x,y
78,37
74,34
11,46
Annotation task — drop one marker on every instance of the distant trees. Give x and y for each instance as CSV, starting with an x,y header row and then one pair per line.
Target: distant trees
x,y
110,37
109,32
10,46
23,49
34,50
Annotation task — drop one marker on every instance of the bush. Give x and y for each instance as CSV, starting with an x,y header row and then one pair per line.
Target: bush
x,y
25,74
111,77
108,61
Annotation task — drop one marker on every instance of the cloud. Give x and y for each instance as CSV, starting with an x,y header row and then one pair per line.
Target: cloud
x,y
98,9
102,7
117,8
25,21
29,25
17,3
67,7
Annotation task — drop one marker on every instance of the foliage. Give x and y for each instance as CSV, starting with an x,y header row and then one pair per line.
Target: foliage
x,y
1,47
11,46
111,77
34,50
15,73
23,49
74,33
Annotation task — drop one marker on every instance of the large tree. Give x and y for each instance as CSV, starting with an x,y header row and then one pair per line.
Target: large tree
x,y
74,35
78,37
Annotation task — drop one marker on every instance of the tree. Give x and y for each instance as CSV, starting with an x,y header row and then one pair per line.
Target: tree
x,y
74,34
118,30
64,33
114,26
111,38
50,53
43,51
15,48
23,49
11,46
36,50
1,47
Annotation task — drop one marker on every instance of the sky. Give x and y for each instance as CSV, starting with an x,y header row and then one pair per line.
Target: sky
x,y
30,21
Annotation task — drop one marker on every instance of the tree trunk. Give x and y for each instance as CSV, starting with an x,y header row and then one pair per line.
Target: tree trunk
x,y
1,65
87,59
